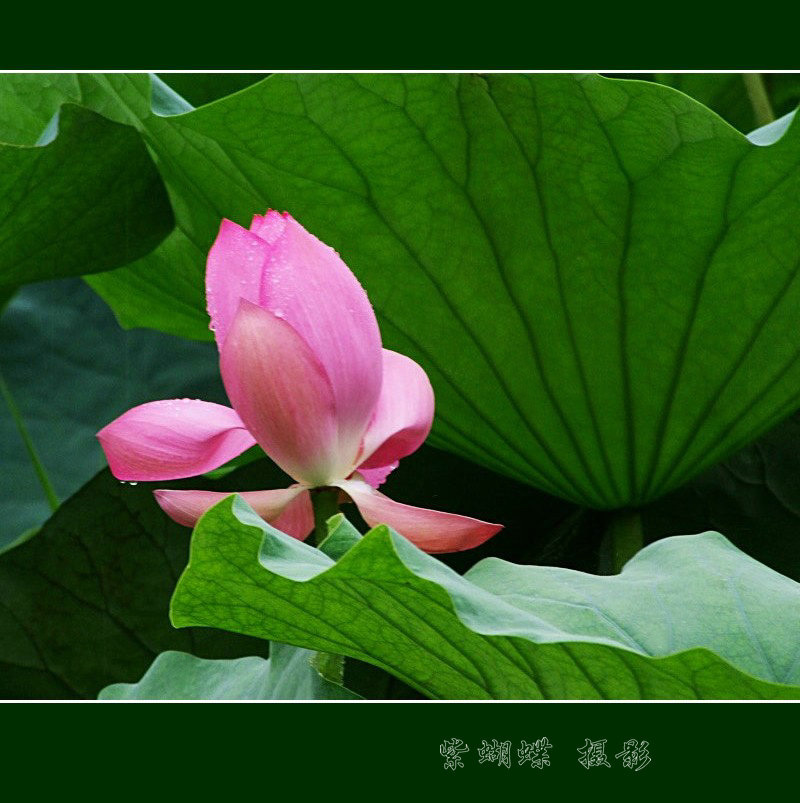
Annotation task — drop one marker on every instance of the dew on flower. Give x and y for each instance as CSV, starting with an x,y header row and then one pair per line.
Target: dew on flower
x,y
193,437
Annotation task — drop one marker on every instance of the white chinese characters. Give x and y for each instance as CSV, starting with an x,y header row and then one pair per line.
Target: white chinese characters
x,y
591,755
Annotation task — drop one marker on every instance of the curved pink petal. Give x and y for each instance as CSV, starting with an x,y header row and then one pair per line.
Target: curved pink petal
x,y
234,269
403,415
431,530
186,507
280,390
174,438
307,284
377,476
297,518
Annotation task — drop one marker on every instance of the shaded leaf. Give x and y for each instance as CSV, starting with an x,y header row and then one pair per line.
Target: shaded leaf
x,y
69,370
726,94
753,497
689,617
163,291
202,88
85,602
89,200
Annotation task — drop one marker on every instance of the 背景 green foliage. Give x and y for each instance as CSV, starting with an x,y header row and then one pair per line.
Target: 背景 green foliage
x,y
753,497
201,88
67,369
519,236
728,95
88,200
85,603
689,617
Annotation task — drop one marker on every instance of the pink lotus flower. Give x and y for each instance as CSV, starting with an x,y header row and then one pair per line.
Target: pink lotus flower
x,y
303,366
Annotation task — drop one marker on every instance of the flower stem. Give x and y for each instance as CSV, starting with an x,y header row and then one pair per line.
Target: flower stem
x,y
759,99
325,502
623,539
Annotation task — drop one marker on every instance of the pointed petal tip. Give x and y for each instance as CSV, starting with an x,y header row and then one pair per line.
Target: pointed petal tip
x,y
170,504
227,225
433,531
270,225
467,533
233,270
172,439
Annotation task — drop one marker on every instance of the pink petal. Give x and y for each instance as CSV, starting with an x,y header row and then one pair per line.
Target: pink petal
x,y
297,518
287,509
307,284
403,415
234,269
431,530
279,266
377,476
280,390
270,226
167,440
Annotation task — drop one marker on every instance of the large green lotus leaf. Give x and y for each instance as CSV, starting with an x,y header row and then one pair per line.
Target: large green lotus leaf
x,y
28,102
598,275
85,603
689,617
66,370
88,200
286,675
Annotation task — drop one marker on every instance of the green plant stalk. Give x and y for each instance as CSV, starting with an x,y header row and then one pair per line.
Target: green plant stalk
x,y
41,473
325,502
759,99
625,538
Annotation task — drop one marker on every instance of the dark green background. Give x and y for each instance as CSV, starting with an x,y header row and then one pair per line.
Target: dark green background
x,y
363,750
361,35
